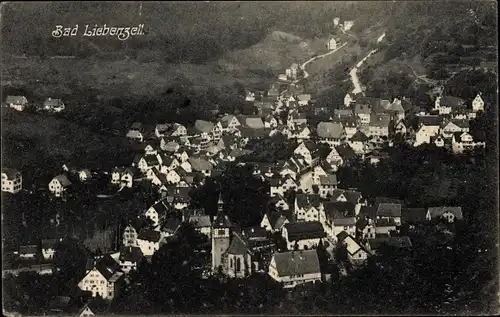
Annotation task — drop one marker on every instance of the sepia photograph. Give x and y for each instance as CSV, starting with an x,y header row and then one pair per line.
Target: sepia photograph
x,y
249,158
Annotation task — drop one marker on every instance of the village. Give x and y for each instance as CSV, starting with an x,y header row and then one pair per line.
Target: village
x,y
175,158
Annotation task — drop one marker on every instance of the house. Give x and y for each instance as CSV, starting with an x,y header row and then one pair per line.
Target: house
x,y
331,44
462,141
385,227
282,185
49,248
136,132
201,165
270,122
202,224
358,142
344,112
300,132
327,184
161,129
349,99
132,229
18,103
103,278
303,99
401,243
157,212
454,126
445,104
123,177
149,241
307,207
478,103
129,258
148,161
379,125
85,311
428,127
237,259
55,105
253,122
28,252
348,25
279,202
295,267
337,217
303,235
400,128
389,211
274,221
449,214
331,133
59,185
365,229
356,253
363,111
340,155
170,226
12,180
308,150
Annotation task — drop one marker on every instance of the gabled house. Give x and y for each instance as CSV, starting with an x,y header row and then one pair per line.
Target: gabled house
x,y
300,132
295,267
282,185
132,229
168,145
413,216
149,241
12,180
54,105
308,150
59,185
365,229
49,248
84,175
270,122
307,207
201,165
462,141
358,142
349,99
161,129
279,202
327,184
363,111
337,217
396,110
303,235
18,103
454,126
157,212
356,253
478,103
428,127
123,176
103,278
274,221
129,258
331,133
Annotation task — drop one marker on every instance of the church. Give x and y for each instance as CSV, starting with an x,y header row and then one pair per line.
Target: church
x,y
235,253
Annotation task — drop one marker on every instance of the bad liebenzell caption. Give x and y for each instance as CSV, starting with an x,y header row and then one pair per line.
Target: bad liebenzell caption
x,y
121,32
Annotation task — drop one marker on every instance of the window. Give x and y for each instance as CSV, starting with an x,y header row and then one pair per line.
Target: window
x,y
238,264
221,232
102,282
231,263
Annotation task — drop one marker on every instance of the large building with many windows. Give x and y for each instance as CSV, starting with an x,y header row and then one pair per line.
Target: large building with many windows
x,y
12,181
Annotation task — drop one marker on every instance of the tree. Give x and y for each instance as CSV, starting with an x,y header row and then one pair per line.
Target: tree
x,y
70,258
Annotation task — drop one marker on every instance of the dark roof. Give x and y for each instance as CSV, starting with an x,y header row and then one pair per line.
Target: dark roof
x,y
149,235
107,266
398,242
49,243
59,303
413,215
151,160
304,230
429,120
361,223
136,126
237,246
386,200
253,233
222,221
345,151
368,211
171,224
451,101
339,209
11,173
297,262
28,249
200,221
389,210
161,207
359,136
439,211
130,253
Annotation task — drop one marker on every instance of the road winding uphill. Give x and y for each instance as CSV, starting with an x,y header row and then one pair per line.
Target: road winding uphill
x,y
303,66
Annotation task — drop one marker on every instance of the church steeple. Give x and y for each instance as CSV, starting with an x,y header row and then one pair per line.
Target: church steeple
x,y
220,204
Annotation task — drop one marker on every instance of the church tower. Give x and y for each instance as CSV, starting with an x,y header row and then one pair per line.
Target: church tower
x,y
221,231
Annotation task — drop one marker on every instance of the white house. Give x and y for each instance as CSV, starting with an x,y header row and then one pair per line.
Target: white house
x,y
331,133
356,253
59,185
129,257
157,212
104,279
348,99
303,235
295,267
84,175
478,103
18,103
49,248
462,141
429,127
12,181
149,241
122,176
332,44
454,126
